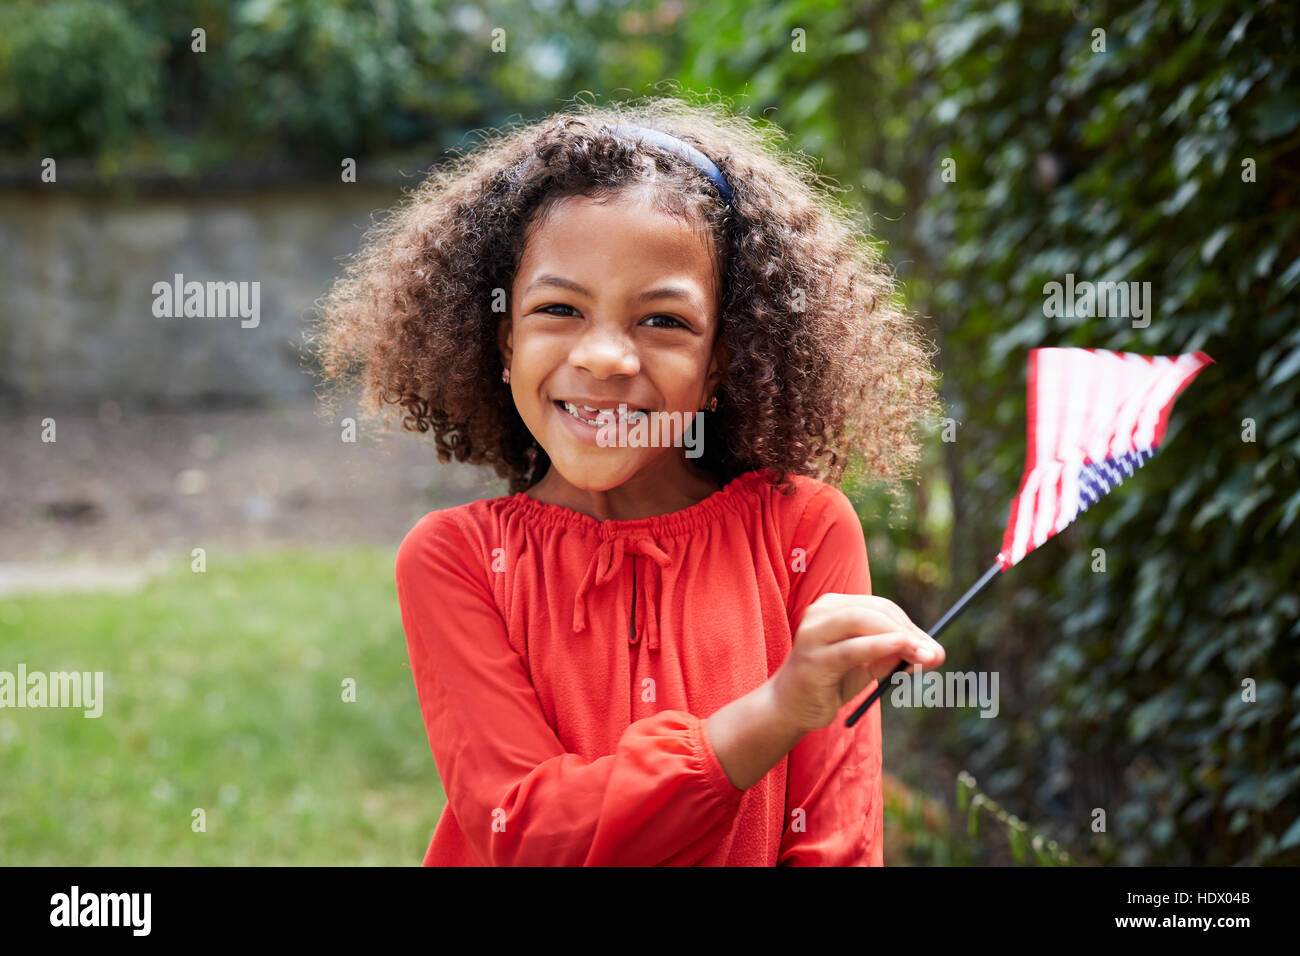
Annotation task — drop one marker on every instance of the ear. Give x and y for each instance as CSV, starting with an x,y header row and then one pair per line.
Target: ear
x,y
505,339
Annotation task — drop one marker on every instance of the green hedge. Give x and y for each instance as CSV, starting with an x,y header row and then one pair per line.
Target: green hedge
x,y
1128,164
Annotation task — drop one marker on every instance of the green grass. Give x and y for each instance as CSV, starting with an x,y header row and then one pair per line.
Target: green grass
x,y
222,691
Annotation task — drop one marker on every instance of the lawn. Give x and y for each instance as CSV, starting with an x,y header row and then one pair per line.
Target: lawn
x,y
223,691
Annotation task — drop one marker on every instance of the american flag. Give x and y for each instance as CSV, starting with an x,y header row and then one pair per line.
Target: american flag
x,y
1095,417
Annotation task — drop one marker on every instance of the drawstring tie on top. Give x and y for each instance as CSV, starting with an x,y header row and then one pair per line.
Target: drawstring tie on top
x,y
605,565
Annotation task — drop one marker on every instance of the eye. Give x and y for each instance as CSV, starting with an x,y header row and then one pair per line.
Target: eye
x,y
668,318
658,321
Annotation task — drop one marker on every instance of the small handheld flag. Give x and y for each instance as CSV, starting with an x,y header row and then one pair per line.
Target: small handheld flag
x,y
1095,417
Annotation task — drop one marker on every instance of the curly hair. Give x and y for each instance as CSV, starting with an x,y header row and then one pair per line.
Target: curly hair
x,y
824,364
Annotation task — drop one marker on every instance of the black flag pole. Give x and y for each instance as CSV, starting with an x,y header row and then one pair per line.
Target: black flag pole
x,y
977,588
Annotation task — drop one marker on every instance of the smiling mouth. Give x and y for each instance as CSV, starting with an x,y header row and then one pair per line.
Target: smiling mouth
x,y
601,416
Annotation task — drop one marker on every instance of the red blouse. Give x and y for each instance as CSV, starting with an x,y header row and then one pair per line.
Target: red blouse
x,y
565,667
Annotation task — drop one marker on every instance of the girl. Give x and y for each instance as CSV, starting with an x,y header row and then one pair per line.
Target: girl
x,y
646,653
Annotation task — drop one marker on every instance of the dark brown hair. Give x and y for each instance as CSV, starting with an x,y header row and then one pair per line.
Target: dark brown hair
x,y
823,361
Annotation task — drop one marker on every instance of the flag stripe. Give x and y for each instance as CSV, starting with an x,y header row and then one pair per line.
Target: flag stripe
x,y
1094,417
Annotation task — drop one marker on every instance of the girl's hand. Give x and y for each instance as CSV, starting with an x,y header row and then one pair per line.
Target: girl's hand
x,y
844,642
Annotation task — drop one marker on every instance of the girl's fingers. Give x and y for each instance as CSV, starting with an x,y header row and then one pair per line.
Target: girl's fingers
x,y
851,617
881,653
873,603
855,681
891,609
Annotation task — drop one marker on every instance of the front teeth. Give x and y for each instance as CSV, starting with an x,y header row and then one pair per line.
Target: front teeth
x,y
603,416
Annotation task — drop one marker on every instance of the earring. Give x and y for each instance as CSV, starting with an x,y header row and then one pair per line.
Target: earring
x,y
505,375
713,404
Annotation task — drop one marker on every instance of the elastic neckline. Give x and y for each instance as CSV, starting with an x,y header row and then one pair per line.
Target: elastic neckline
x,y
728,498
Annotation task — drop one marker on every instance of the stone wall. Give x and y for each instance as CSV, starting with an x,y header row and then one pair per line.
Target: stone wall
x,y
77,275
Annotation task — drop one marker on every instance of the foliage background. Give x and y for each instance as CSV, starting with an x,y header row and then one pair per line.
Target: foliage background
x,y
1121,690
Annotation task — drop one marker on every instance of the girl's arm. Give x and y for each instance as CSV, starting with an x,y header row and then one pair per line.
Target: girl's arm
x,y
834,812
662,797
750,736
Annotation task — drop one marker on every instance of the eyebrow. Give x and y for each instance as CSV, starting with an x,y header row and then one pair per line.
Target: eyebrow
x,y
662,292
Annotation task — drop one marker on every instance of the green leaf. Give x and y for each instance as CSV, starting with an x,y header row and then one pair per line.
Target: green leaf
x,y
1291,838
1288,516
1278,115
1181,198
1290,277
1289,367
1018,844
1210,248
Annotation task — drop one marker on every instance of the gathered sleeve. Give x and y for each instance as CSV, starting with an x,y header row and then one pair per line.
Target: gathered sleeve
x,y
661,798
834,788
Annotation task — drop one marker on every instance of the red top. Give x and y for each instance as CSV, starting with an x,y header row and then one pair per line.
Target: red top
x,y
565,667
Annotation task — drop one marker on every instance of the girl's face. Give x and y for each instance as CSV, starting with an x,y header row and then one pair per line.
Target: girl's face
x,y
613,303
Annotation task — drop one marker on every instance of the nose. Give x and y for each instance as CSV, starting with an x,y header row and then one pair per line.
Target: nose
x,y
605,350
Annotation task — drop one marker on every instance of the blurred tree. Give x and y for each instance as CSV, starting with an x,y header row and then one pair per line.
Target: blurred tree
x,y
303,82
82,76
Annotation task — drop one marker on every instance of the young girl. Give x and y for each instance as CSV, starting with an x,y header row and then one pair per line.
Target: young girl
x,y
662,331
